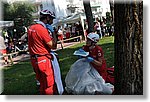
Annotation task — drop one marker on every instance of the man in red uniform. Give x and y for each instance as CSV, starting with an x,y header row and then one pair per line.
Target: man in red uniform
x,y
40,44
96,54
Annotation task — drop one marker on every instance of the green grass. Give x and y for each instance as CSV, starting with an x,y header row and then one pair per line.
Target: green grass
x,y
20,78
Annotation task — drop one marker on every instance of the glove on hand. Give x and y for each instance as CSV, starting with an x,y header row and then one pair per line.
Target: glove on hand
x,y
79,57
81,50
90,59
49,27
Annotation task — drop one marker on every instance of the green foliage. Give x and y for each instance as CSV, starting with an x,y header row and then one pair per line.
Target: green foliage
x,y
20,12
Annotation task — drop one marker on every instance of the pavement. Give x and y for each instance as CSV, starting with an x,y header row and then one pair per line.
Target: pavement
x,y
66,45
24,57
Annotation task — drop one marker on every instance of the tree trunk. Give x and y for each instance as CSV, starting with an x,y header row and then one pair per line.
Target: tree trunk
x,y
89,16
111,3
129,48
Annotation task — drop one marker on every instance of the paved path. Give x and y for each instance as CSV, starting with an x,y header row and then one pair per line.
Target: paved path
x,y
66,45
24,57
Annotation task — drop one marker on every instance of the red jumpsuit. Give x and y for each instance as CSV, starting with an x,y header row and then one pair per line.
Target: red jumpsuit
x,y
98,53
38,38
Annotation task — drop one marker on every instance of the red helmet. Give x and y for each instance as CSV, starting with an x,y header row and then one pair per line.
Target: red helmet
x,y
47,12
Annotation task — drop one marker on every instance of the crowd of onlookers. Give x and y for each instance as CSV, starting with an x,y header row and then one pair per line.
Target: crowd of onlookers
x,y
68,31
11,43
76,29
102,28
8,44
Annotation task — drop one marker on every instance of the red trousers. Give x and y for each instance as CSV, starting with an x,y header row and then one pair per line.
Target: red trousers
x,y
60,37
67,35
3,51
44,74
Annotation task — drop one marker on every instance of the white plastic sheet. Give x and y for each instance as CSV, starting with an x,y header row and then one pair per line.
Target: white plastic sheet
x,y
57,75
83,79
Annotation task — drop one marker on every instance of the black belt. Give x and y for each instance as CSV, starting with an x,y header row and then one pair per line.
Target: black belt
x,y
36,56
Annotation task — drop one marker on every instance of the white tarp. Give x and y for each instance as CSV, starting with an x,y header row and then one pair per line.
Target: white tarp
x,y
60,8
57,6
75,18
72,19
83,79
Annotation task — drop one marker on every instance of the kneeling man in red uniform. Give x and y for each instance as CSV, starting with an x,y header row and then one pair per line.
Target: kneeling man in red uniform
x,y
96,55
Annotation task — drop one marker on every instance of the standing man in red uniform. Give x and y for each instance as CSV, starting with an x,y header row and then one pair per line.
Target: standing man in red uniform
x,y
96,55
40,44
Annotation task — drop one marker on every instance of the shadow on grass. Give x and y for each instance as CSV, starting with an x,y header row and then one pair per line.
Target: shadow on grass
x,y
19,79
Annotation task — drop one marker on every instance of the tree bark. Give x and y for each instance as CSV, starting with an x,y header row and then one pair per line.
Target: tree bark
x,y
129,48
89,15
111,3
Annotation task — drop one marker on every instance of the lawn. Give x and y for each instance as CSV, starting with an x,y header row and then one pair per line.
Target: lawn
x,y
20,78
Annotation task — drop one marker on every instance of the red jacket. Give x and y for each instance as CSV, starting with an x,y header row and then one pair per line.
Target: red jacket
x,y
38,37
98,53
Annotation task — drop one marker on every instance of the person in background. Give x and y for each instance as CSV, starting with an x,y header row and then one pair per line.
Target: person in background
x,y
77,29
98,28
60,35
24,36
3,50
67,32
73,29
102,28
81,32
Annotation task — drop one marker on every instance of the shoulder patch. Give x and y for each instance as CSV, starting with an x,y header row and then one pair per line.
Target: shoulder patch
x,y
99,54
